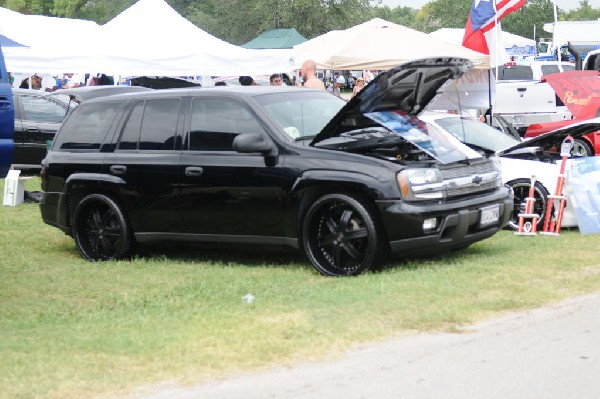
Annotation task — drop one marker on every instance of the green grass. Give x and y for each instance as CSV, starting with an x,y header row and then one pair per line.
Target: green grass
x,y
70,328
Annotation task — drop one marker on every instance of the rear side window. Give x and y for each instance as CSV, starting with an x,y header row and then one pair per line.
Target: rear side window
x,y
86,127
151,125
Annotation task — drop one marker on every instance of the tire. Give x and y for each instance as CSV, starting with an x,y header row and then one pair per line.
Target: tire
x,y
100,229
521,192
342,237
581,148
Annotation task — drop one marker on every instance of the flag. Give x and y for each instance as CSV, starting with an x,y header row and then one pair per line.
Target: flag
x,y
482,18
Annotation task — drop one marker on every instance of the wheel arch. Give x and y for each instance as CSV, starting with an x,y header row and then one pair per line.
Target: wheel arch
x,y
315,184
79,185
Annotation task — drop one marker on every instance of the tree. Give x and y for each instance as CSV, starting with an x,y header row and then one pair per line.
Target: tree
x,y
238,21
404,16
439,14
535,13
585,12
40,7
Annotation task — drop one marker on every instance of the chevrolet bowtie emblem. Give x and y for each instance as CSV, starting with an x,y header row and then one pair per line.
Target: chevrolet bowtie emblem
x,y
477,179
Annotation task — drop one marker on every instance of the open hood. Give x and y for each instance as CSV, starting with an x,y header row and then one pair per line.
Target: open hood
x,y
555,138
407,88
578,90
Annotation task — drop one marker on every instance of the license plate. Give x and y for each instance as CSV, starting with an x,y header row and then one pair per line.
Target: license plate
x,y
489,215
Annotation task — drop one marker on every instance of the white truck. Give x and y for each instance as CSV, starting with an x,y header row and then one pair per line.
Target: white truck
x,y
523,103
583,35
522,100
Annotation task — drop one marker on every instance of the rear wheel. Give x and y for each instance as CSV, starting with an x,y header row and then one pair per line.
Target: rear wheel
x,y
581,148
342,237
101,230
521,192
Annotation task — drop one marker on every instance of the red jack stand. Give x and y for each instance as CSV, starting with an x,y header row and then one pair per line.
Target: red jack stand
x,y
552,224
528,220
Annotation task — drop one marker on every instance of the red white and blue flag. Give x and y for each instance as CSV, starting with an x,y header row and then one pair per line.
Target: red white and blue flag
x,y
483,18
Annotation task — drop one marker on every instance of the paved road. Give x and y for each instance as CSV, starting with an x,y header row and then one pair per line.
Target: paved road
x,y
550,353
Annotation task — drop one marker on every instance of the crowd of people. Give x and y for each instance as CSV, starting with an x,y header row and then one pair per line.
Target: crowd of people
x,y
66,80
336,84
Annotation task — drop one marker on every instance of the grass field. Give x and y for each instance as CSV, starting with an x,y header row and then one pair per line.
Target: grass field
x,y
74,329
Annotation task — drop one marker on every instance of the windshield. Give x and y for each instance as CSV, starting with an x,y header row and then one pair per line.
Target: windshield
x,y
473,132
301,114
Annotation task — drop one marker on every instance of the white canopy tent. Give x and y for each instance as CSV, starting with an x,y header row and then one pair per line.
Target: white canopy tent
x,y
148,38
151,30
379,44
515,45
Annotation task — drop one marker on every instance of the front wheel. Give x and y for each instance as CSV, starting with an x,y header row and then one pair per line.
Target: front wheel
x,y
342,237
101,230
521,192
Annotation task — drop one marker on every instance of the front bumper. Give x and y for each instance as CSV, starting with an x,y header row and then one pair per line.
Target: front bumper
x,y
457,227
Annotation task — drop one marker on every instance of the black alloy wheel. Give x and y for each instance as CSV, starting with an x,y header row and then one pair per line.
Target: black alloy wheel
x,y
521,192
100,229
341,236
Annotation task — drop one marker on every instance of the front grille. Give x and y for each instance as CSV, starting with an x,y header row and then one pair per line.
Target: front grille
x,y
459,191
467,170
459,180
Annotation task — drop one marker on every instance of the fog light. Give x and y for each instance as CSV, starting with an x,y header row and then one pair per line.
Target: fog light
x,y
430,224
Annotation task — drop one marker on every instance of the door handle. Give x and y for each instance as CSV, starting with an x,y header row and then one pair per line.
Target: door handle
x,y
193,171
118,169
32,129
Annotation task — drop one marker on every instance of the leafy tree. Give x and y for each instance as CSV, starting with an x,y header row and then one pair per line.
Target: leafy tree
x,y
529,18
238,21
585,12
439,14
39,7
404,16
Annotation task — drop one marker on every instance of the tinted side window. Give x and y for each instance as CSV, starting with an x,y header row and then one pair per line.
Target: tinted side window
x,y
216,122
86,127
131,130
42,110
159,124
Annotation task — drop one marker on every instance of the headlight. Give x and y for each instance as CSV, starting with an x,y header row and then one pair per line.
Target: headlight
x,y
421,184
498,166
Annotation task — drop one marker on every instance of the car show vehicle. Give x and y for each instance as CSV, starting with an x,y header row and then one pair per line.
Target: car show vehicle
x,y
580,92
37,119
7,116
343,182
520,160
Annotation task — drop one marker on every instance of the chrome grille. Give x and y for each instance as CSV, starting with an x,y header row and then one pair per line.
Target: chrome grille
x,y
467,170
458,191
458,182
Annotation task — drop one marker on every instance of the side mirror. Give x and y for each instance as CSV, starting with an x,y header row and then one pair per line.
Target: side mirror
x,y
252,142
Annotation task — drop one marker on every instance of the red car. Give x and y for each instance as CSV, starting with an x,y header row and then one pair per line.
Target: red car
x,y
580,92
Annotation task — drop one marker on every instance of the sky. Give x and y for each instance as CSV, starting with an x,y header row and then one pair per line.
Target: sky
x,y
564,4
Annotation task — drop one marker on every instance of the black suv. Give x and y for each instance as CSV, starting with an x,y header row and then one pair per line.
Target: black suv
x,y
344,182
